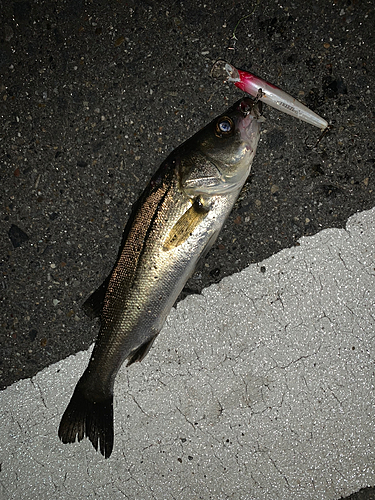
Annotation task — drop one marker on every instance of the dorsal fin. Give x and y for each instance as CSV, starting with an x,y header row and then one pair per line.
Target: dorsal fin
x,y
93,305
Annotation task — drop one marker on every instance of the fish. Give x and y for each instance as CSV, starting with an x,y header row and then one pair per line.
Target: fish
x,y
173,224
269,94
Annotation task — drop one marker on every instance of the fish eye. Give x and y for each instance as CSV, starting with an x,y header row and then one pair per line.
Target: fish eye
x,y
224,126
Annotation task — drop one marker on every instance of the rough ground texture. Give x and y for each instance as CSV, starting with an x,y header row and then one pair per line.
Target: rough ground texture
x,y
249,393
94,95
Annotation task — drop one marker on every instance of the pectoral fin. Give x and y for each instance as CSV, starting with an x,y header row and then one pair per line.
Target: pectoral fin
x,y
186,225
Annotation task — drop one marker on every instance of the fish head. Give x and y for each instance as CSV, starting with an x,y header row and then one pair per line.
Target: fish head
x,y
232,138
224,150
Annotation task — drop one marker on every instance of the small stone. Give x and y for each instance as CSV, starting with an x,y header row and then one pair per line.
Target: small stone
x,y
32,334
119,41
55,302
274,189
215,273
17,236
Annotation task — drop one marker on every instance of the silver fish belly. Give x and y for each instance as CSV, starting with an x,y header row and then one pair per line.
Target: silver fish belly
x,y
175,221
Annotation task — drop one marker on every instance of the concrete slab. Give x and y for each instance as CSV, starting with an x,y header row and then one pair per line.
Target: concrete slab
x,y
262,387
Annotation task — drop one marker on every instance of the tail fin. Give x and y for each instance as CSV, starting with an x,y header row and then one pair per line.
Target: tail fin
x,y
84,417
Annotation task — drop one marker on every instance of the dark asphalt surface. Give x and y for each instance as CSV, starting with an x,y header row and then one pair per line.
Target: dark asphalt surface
x,y
94,95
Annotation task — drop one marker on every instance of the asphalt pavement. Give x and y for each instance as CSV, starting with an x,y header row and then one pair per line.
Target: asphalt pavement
x,y
93,97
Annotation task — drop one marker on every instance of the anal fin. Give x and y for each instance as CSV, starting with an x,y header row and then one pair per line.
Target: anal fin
x,y
141,351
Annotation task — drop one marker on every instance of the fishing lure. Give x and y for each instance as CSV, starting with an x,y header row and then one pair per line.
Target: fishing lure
x,y
269,94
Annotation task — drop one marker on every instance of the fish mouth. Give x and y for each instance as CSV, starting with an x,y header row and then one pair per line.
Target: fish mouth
x,y
249,126
251,107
